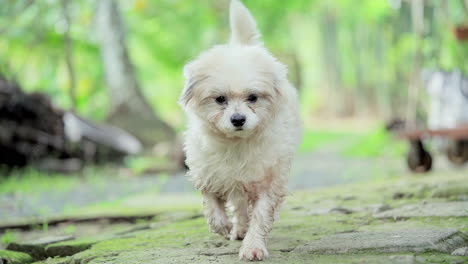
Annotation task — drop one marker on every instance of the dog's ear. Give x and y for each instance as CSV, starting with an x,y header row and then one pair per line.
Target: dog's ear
x,y
187,93
243,27
193,78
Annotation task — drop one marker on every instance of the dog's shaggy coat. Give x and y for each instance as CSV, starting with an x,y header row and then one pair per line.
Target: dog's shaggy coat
x,y
243,129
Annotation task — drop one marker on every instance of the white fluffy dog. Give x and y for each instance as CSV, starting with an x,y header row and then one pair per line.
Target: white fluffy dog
x,y
243,129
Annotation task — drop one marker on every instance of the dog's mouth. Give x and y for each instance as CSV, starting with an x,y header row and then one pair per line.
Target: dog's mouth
x,y
239,129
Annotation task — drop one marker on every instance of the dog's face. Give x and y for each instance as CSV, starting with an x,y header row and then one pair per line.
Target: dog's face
x,y
234,89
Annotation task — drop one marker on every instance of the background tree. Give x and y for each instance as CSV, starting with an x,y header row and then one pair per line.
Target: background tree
x,y
129,108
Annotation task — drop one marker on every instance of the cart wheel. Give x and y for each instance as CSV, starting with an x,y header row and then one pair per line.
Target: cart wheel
x,y
418,159
457,152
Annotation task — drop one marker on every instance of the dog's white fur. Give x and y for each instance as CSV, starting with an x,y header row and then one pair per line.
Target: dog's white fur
x,y
246,168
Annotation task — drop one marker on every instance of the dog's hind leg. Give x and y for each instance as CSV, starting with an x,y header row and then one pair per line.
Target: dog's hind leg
x,y
261,220
215,213
240,206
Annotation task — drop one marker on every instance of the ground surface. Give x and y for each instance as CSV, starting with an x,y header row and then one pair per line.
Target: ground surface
x,y
419,219
341,210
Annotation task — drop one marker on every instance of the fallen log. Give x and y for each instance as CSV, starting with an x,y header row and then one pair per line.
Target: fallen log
x,y
34,132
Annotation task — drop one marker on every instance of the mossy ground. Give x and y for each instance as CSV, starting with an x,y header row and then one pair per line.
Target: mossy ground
x,y
181,235
12,257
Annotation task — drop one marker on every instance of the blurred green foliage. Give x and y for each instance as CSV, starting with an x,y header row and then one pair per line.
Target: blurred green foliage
x,y
372,143
355,52
313,139
376,143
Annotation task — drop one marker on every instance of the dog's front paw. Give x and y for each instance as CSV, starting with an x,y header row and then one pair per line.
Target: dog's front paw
x,y
222,227
253,253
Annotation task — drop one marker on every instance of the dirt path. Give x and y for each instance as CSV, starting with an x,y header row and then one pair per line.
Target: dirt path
x,y
320,168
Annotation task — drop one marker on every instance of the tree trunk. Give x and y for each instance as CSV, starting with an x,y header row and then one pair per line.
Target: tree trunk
x,y
417,15
68,47
331,61
129,109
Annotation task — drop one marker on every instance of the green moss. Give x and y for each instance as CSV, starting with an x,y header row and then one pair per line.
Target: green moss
x,y
35,251
440,258
180,237
191,235
177,256
144,204
13,257
450,191
300,222
174,235
380,191
69,248
55,260
310,227
373,258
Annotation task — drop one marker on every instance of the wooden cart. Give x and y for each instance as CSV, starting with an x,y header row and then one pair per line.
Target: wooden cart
x,y
420,160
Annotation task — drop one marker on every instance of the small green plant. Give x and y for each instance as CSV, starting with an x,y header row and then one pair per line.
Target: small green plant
x,y
71,229
8,237
45,226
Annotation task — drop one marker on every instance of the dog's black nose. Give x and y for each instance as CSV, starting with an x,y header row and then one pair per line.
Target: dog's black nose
x,y
238,120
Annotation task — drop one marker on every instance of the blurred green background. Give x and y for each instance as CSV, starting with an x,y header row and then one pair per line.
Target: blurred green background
x,y
359,54
352,61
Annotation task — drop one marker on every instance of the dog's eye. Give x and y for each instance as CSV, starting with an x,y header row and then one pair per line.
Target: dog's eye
x,y
252,98
220,99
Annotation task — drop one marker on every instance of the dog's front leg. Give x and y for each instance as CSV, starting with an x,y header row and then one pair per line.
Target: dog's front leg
x,y
261,221
240,207
215,213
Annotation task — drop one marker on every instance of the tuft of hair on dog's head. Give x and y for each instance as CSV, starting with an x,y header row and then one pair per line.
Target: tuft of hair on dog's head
x,y
243,27
243,32
238,80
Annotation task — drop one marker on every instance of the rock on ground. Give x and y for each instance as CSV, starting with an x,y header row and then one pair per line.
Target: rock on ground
x,y
438,209
460,252
37,248
422,240
12,257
